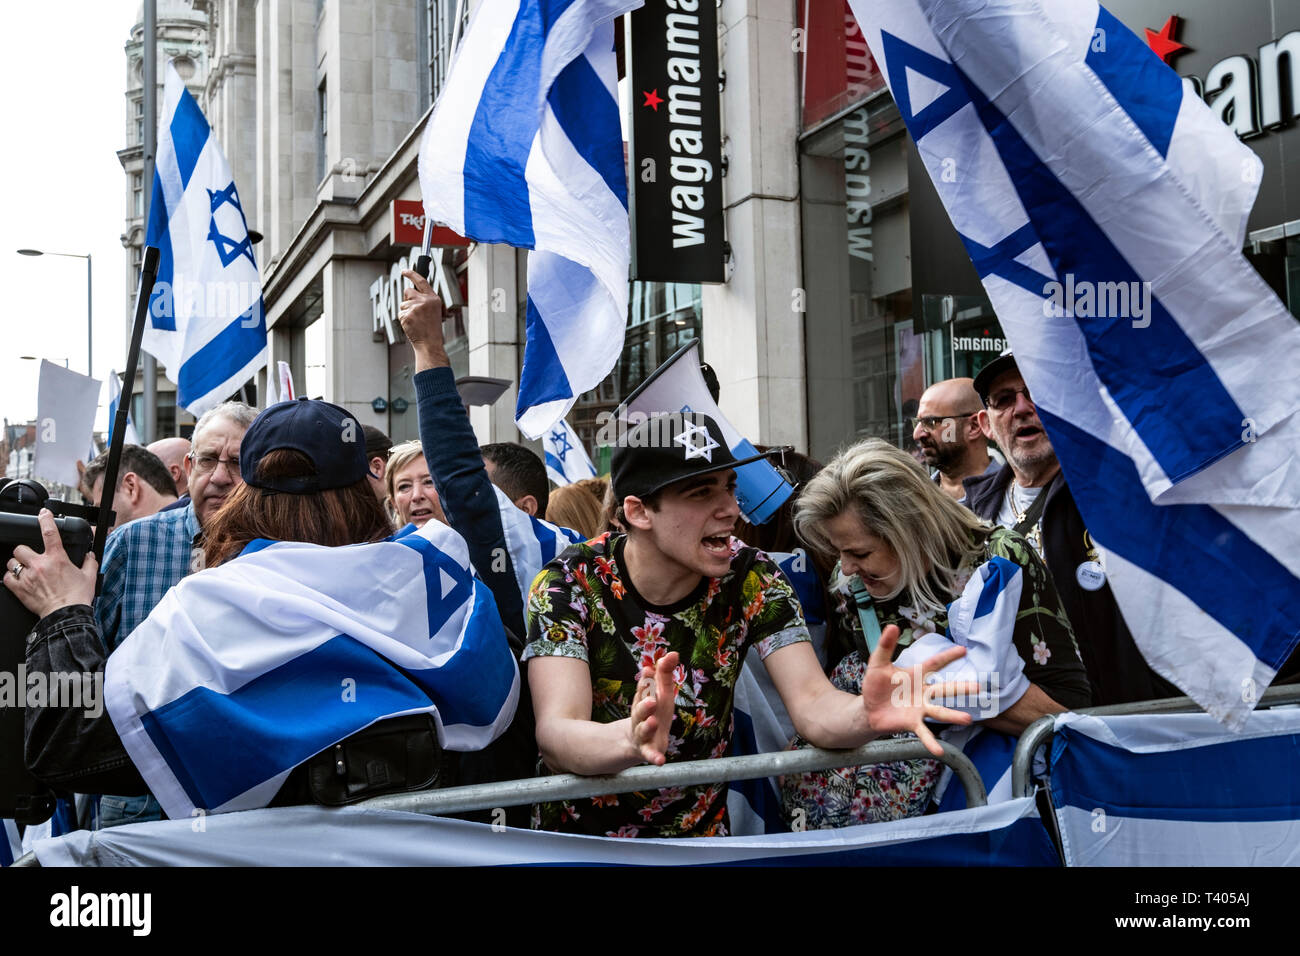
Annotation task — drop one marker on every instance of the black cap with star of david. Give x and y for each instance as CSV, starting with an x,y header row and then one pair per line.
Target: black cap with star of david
x,y
668,448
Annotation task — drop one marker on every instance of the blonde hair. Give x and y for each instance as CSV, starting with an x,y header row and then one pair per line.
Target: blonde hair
x,y
895,500
579,506
398,458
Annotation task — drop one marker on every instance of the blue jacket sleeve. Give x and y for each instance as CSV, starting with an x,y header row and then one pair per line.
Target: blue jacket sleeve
x,y
451,449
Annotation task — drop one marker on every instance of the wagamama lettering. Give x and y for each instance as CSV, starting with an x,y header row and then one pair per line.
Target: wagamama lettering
x,y
688,172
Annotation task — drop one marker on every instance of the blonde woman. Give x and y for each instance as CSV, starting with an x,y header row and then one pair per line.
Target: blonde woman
x,y
412,498
908,555
580,506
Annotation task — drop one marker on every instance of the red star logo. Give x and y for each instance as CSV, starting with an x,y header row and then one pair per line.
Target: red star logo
x,y
1163,43
652,99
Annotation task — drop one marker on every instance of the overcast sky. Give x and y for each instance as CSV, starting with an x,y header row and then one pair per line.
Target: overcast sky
x,y
63,70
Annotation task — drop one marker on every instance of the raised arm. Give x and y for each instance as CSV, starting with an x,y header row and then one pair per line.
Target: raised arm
x,y
452,452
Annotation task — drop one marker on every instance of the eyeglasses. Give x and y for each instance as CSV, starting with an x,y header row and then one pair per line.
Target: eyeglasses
x,y
1001,400
206,463
930,422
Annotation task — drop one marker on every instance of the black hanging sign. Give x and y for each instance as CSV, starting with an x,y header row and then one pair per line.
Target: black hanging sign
x,y
676,142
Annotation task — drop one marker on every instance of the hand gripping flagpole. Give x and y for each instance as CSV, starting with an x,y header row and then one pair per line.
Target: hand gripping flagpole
x,y
143,294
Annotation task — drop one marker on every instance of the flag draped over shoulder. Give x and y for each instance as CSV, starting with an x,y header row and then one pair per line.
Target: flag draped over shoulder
x,y
246,670
206,320
566,459
524,147
1104,207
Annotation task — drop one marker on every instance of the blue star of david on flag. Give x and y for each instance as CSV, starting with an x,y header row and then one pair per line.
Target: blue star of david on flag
x,y
560,446
227,248
566,461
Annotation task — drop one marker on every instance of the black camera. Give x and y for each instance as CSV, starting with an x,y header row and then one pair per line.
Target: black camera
x,y
23,797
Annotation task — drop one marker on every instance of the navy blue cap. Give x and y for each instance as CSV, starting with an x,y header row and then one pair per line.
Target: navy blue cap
x,y
330,436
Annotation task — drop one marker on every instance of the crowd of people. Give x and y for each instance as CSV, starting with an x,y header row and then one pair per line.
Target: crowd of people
x,y
632,637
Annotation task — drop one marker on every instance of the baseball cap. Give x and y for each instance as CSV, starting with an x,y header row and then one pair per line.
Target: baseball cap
x,y
1005,362
330,436
670,447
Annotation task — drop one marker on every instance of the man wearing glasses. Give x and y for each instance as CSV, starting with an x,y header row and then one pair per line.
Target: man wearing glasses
x,y
1029,494
947,430
143,559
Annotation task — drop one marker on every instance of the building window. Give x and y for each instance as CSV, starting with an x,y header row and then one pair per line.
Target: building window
x,y
139,121
440,21
137,195
322,130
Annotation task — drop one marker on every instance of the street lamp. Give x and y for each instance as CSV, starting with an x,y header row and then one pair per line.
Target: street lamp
x,y
90,341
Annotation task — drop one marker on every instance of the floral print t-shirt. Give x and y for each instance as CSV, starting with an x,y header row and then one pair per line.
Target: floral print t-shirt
x,y
583,605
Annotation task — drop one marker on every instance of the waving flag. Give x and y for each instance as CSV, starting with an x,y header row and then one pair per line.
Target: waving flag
x,y
532,542
1104,207
566,459
132,437
524,147
244,671
678,386
207,324
286,381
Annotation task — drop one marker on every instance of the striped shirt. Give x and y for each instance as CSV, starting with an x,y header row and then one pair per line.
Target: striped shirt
x,y
142,560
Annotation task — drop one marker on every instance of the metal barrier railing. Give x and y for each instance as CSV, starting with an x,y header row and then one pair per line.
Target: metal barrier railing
x,y
1040,731
513,793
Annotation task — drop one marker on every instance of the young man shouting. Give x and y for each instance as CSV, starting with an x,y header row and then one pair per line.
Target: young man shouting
x,y
636,642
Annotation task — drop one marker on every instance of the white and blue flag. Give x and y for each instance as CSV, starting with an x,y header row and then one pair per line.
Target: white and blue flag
x,y
1104,207
206,320
131,436
566,459
524,147
1177,790
678,386
532,542
244,671
1010,834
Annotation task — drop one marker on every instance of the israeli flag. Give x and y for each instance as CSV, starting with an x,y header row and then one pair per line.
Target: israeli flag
x,y
131,437
524,147
532,542
1011,834
1104,207
246,670
1177,790
678,386
566,459
207,324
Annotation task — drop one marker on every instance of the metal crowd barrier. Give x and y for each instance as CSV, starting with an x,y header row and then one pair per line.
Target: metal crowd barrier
x,y
513,793
1040,731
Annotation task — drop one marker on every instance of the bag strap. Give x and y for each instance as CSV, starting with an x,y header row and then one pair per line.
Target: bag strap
x,y
867,615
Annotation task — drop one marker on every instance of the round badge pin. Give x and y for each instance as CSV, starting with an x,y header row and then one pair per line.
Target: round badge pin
x,y
1090,575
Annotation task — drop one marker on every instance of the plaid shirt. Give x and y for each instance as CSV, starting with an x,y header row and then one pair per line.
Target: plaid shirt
x,y
142,560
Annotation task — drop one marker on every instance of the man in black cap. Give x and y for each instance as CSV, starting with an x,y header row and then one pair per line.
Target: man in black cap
x,y
636,641
1029,494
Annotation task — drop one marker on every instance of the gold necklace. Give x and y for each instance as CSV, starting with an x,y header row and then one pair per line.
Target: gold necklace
x,y
1033,535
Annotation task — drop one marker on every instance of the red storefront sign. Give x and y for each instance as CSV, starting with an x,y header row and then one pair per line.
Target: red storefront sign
x,y
408,226
837,69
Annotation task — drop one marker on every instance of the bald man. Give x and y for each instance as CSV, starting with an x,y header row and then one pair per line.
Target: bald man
x,y
172,451
947,431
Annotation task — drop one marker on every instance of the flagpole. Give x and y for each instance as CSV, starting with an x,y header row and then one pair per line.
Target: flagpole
x,y
149,55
